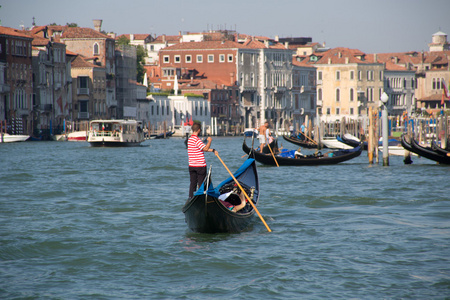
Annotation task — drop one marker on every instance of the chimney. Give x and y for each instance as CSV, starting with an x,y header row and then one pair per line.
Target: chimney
x,y
97,25
131,37
375,58
346,60
286,45
277,38
164,38
329,60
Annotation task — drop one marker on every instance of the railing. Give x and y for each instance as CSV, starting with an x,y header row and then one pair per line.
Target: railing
x,y
106,133
83,115
83,91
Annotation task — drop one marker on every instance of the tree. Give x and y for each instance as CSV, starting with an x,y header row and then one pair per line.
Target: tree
x,y
141,53
72,24
123,40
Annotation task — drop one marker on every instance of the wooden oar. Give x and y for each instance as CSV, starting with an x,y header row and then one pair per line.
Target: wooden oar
x,y
245,194
273,155
309,138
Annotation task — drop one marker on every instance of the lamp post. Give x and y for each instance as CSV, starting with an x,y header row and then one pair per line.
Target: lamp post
x,y
384,99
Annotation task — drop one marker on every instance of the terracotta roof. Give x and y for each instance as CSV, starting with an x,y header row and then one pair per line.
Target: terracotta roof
x,y
433,97
68,52
13,32
82,32
167,38
39,41
80,62
341,55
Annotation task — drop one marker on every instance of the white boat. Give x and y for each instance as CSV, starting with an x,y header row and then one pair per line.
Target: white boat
x,y
60,137
11,138
77,136
396,150
333,143
112,133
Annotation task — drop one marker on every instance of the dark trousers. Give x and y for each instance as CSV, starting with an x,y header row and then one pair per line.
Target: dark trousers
x,y
197,175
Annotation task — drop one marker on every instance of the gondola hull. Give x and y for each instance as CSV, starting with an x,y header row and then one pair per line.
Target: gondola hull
x,y
426,152
205,213
299,142
310,160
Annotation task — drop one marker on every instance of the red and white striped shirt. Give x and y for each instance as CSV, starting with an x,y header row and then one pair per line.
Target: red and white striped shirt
x,y
195,152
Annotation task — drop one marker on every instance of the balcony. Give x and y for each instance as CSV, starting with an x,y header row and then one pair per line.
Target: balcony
x,y
83,115
83,91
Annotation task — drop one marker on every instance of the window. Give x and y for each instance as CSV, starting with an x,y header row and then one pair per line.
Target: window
x,y
338,75
242,58
188,58
199,58
338,95
222,58
352,75
319,75
359,75
319,95
337,111
210,58
351,111
230,57
96,51
177,59
166,58
351,94
328,111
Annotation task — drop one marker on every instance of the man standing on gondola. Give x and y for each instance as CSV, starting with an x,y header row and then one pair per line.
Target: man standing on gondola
x,y
263,136
197,162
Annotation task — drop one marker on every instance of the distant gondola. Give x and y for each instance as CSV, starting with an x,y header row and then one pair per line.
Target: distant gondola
x,y
426,152
161,135
302,143
287,158
440,150
205,213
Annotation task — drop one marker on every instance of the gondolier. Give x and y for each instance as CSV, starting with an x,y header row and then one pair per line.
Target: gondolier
x,y
197,162
263,136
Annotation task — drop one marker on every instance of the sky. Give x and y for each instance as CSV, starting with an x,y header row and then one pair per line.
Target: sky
x,y
377,26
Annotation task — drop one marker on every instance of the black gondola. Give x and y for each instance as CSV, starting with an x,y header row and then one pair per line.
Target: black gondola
x,y
287,158
426,152
348,140
205,213
439,150
299,142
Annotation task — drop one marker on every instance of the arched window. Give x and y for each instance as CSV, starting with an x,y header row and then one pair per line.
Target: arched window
x,y
96,51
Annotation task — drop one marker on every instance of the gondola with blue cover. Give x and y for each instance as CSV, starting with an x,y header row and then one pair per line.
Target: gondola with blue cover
x,y
289,157
205,213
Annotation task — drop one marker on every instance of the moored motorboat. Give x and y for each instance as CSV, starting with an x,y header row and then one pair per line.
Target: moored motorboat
x,y
115,133
77,136
12,138
206,213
